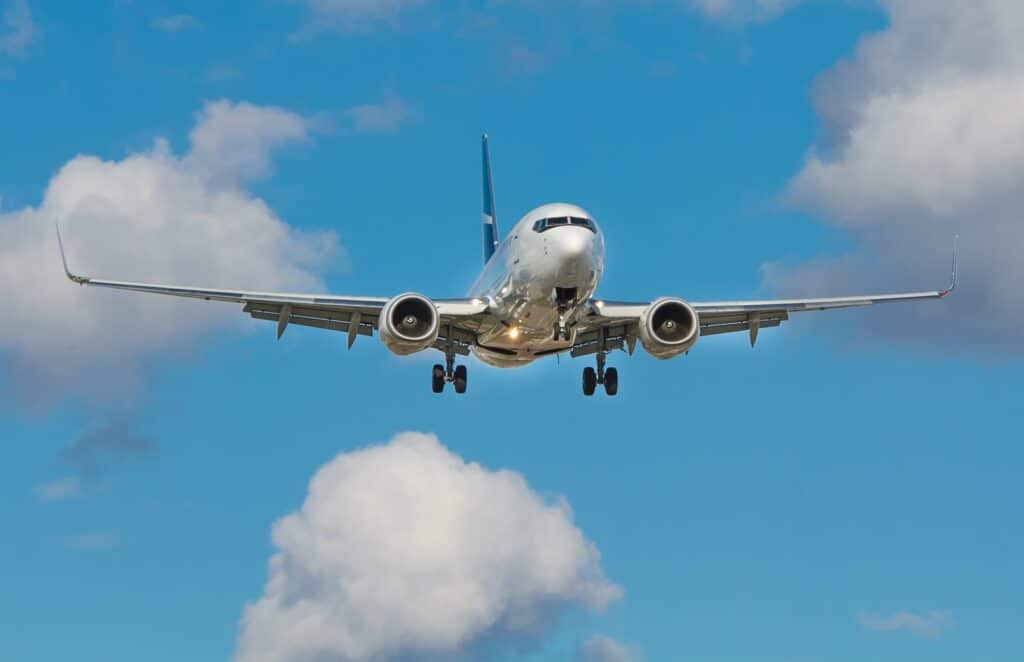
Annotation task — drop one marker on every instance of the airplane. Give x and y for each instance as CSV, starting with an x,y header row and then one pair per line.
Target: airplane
x,y
534,298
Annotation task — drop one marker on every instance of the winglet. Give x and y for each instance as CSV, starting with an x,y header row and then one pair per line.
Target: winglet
x,y
953,276
81,280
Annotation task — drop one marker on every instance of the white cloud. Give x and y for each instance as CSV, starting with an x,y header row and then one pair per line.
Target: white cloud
x,y
232,142
928,625
17,29
59,490
151,216
385,117
176,23
602,648
407,551
925,138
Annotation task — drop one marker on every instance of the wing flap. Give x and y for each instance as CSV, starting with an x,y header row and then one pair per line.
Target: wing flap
x,y
732,327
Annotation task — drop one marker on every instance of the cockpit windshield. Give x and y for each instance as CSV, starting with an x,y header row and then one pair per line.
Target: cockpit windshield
x,y
545,224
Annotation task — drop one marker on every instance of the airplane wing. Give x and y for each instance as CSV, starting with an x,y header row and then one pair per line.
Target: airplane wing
x,y
616,321
354,315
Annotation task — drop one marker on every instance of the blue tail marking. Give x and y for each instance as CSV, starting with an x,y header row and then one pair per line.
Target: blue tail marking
x,y
490,218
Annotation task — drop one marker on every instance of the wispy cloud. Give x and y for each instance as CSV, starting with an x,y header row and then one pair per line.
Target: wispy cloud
x,y
58,490
113,443
602,648
92,454
385,117
17,29
91,541
928,625
175,23
355,15
742,10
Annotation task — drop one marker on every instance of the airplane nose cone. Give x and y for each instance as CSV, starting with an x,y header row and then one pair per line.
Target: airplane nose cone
x,y
573,249
575,243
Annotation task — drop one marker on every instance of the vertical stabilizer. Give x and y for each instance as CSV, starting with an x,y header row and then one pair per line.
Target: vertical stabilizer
x,y
490,218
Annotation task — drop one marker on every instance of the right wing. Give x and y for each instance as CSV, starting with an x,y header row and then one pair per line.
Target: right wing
x,y
354,315
615,323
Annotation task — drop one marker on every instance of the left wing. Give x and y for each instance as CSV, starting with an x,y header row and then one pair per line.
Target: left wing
x,y
354,315
614,322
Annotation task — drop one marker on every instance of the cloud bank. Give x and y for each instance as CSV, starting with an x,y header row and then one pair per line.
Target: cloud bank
x,y
151,216
924,138
406,551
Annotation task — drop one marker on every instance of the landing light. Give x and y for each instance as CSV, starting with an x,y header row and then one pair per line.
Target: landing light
x,y
513,332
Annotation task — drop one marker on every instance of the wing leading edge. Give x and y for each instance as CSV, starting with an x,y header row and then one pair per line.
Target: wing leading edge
x,y
355,315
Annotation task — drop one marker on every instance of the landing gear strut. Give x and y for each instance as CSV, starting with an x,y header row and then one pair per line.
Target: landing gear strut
x,y
565,297
607,376
449,372
561,328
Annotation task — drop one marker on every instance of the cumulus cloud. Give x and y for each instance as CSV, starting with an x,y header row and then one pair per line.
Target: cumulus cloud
x,y
928,625
17,29
152,216
923,138
406,551
385,117
602,648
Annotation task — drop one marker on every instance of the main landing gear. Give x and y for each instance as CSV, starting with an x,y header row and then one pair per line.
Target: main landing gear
x,y
609,377
440,374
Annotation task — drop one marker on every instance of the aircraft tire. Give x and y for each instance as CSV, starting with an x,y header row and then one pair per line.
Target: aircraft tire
x,y
461,375
437,378
611,381
589,381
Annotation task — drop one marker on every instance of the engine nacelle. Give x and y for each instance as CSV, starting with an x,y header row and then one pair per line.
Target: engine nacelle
x,y
409,323
668,327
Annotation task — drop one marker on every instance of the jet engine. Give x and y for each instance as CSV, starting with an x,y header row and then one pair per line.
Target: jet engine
x,y
409,323
668,327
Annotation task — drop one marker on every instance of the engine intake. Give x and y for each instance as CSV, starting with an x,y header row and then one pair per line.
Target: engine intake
x,y
409,323
668,327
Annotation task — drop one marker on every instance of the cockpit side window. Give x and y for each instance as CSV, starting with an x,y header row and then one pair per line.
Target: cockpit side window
x,y
545,224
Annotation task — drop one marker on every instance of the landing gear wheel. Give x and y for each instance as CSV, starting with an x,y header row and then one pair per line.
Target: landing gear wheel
x,y
611,381
460,379
437,378
589,381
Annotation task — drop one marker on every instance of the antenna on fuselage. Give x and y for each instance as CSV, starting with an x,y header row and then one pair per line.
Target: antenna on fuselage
x,y
489,217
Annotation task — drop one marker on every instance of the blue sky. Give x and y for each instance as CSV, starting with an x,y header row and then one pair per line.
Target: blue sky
x,y
848,491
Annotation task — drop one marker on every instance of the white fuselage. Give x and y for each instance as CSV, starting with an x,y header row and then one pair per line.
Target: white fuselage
x,y
538,277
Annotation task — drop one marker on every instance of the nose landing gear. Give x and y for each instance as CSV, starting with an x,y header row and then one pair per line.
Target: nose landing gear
x,y
565,298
